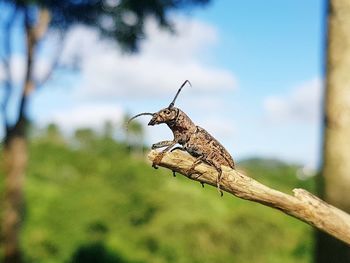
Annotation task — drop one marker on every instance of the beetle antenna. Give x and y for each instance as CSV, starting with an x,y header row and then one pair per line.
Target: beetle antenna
x,y
177,94
138,115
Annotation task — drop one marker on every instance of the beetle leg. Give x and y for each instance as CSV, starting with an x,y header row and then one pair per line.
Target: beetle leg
x,y
218,180
161,144
178,148
193,166
210,160
160,155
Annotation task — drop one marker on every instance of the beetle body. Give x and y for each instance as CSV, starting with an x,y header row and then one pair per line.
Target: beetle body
x,y
193,139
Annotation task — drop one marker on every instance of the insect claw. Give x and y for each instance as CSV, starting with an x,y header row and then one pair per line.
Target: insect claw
x,y
190,173
219,189
198,175
202,184
174,173
157,160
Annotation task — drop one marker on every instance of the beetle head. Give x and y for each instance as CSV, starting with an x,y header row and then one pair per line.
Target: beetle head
x,y
166,115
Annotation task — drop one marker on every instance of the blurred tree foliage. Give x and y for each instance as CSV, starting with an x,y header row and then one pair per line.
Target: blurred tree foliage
x,y
95,253
122,20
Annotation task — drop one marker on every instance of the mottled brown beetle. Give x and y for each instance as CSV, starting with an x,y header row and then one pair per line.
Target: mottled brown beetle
x,y
193,139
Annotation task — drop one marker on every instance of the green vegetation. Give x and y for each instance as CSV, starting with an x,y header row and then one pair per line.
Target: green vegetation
x,y
91,199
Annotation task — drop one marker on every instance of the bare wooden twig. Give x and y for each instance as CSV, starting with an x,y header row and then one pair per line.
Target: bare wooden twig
x,y
302,205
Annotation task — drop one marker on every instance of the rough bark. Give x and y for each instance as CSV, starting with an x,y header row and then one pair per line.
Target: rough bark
x,y
335,179
303,205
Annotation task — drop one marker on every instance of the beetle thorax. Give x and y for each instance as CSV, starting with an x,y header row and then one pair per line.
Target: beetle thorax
x,y
182,127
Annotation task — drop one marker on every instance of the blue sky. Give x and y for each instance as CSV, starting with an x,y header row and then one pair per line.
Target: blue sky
x,y
255,66
272,47
275,40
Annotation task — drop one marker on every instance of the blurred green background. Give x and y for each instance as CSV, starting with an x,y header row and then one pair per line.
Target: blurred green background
x,y
91,197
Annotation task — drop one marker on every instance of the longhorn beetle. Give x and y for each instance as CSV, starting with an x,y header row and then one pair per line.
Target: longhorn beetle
x,y
193,139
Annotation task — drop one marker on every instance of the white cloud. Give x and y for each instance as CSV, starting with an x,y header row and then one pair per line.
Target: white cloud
x,y
221,129
2,73
302,103
190,40
18,68
164,62
87,116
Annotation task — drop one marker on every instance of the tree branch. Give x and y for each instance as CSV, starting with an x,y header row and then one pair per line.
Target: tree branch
x,y
54,63
302,205
43,23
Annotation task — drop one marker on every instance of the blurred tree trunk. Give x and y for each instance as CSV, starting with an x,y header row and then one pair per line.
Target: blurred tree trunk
x,y
15,152
336,152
